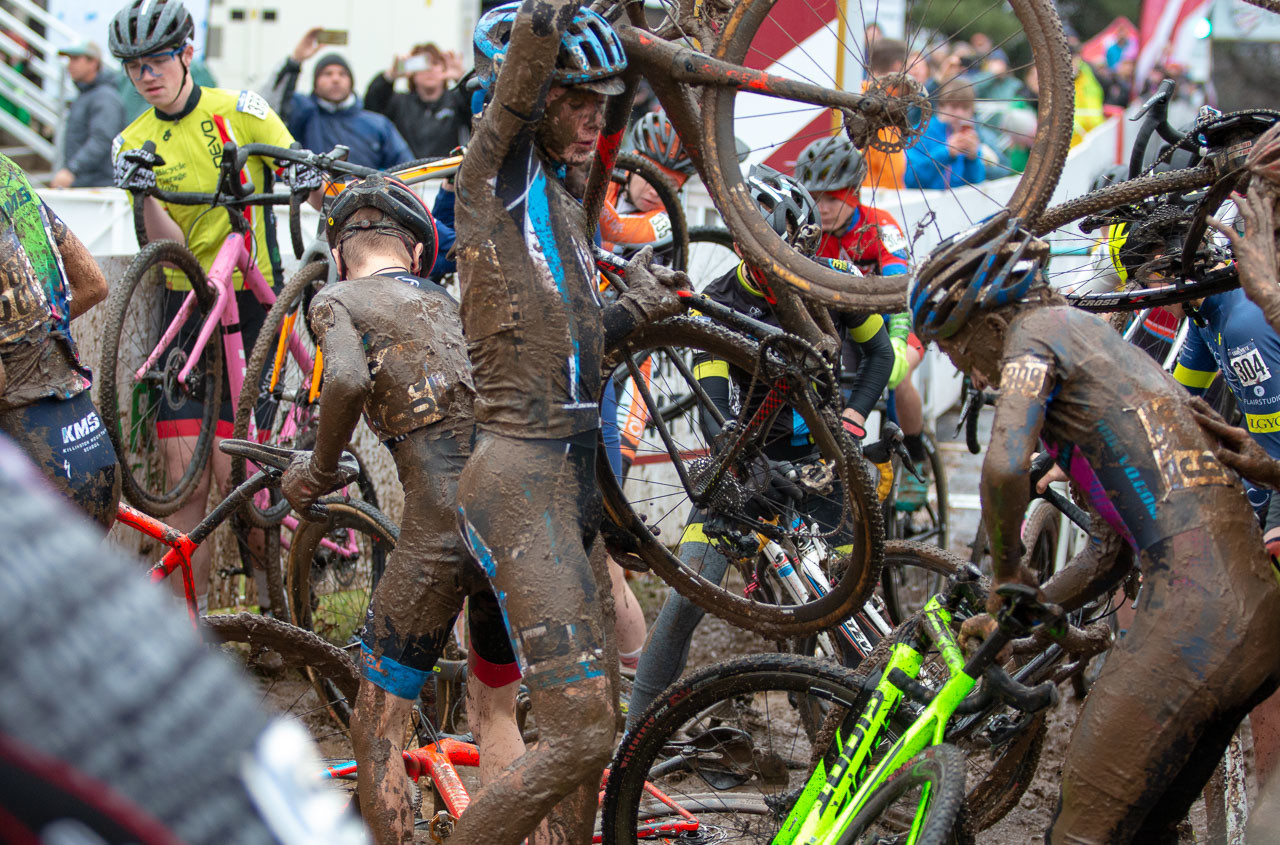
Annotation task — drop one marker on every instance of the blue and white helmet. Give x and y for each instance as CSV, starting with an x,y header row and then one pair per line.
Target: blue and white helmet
x,y
994,264
591,53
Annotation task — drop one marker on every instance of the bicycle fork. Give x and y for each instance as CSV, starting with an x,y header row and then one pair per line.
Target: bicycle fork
x,y
803,577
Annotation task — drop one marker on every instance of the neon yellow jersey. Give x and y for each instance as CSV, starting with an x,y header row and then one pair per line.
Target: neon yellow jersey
x,y
190,143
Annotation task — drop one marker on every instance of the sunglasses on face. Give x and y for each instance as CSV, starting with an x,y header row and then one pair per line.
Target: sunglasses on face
x,y
153,64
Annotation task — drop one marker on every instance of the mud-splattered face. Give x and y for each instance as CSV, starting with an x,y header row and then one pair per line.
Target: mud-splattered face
x,y
568,130
976,349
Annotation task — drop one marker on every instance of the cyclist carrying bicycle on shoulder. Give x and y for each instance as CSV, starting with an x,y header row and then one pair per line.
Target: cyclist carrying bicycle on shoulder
x,y
1205,645
833,171
536,331
189,125
790,212
393,349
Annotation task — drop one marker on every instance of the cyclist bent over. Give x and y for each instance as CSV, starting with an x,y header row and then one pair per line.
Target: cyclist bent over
x,y
791,213
189,125
1205,645
536,332
47,279
393,347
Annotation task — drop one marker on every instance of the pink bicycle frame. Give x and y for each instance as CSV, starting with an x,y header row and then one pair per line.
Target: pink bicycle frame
x,y
233,255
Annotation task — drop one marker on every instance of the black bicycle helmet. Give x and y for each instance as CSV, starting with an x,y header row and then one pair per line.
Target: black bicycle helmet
x,y
149,26
787,207
831,164
404,211
591,53
655,138
994,264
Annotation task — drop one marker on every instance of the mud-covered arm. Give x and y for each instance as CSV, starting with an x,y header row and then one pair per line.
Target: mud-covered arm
x,y
1255,250
88,284
1015,435
520,92
347,383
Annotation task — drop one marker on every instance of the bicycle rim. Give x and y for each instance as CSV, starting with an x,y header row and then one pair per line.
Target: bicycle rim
x,y
159,474
275,400
655,505
727,743
791,39
631,164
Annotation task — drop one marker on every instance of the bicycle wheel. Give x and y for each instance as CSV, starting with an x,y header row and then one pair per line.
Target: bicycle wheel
x,y
711,254
900,806
334,565
1040,539
928,521
133,393
676,253
760,32
727,743
275,404
657,500
280,660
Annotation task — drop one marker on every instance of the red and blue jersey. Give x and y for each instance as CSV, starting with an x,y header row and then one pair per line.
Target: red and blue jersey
x,y
873,241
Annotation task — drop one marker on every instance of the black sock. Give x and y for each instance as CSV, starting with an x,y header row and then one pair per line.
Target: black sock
x,y
915,448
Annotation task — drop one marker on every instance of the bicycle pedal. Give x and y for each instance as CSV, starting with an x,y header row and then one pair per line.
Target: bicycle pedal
x,y
441,826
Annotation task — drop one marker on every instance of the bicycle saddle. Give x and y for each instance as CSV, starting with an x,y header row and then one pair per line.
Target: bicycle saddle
x,y
275,459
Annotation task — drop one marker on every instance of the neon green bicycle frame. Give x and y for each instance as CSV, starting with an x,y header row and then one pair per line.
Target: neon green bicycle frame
x,y
825,807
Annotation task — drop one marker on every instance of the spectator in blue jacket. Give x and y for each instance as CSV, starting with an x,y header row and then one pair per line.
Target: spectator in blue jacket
x,y
949,154
332,113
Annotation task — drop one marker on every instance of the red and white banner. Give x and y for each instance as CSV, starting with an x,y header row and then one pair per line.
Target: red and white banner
x,y
1165,34
806,39
1115,44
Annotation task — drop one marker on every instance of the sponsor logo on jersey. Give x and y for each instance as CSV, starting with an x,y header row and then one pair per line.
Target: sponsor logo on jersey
x,y
81,429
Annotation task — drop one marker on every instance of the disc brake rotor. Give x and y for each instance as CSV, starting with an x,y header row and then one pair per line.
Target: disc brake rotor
x,y
898,95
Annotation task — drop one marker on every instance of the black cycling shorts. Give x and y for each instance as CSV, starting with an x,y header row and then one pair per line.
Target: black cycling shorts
x,y
68,442
184,421
402,664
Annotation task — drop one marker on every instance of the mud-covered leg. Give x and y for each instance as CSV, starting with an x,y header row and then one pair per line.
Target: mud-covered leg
x,y
524,505
1204,646
386,793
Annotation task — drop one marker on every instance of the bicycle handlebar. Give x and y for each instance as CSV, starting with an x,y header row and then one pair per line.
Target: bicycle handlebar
x,y
1156,113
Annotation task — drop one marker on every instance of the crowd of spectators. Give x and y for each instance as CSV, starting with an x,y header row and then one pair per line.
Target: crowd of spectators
x,y
983,102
